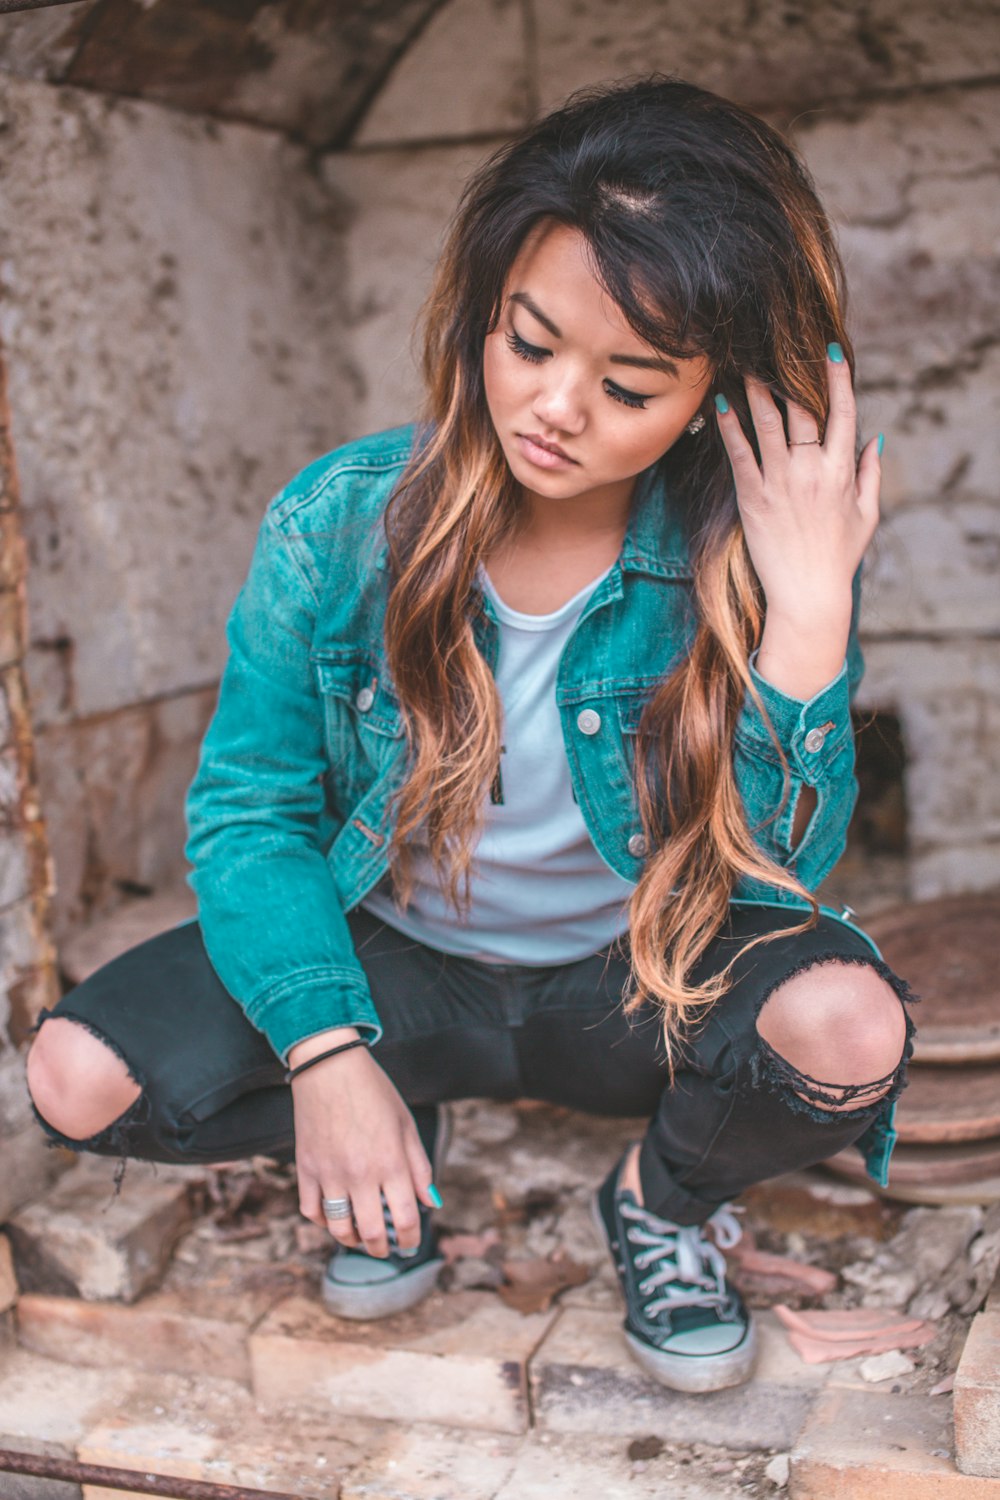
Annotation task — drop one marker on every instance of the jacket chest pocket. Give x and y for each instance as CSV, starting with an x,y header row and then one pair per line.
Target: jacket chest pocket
x,y
363,724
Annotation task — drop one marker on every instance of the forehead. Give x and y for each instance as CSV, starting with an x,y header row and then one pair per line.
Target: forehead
x,y
555,266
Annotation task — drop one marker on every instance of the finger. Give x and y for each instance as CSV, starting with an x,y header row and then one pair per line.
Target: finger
x,y
369,1218
768,426
869,482
746,470
802,426
421,1171
342,1227
402,1205
842,425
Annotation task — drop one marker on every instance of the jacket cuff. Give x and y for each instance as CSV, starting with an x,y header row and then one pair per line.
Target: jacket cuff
x,y
307,1003
812,733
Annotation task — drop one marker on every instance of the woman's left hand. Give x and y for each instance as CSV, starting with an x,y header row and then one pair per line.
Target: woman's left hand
x,y
808,514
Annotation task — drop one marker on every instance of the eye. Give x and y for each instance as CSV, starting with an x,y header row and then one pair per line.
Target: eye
x,y
627,398
524,350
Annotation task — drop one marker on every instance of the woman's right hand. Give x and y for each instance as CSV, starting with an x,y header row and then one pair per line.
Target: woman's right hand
x,y
355,1138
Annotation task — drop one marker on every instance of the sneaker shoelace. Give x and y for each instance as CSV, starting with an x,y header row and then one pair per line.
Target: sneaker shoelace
x,y
690,1270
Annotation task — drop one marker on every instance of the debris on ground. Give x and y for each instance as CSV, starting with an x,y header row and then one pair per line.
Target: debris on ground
x,y
823,1334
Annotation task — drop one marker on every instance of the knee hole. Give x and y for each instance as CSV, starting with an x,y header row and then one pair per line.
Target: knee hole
x,y
77,1083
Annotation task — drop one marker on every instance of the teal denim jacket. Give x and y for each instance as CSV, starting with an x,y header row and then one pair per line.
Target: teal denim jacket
x,y
289,814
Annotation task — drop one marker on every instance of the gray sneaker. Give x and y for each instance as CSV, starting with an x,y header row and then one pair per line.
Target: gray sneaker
x,y
685,1323
362,1286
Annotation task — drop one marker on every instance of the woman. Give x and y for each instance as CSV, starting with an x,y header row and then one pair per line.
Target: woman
x,y
534,740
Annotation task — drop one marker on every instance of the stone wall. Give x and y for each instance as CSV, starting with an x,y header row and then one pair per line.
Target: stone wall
x,y
895,110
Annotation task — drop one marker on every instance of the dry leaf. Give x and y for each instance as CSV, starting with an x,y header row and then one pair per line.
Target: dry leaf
x,y
531,1285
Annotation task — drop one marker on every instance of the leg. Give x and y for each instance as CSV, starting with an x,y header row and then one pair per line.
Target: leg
x,y
793,1064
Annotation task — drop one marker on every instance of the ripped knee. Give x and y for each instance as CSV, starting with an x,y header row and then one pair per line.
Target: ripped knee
x,y
80,1086
834,1036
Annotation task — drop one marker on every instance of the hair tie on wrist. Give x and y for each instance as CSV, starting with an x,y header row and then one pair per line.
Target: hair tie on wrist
x,y
322,1056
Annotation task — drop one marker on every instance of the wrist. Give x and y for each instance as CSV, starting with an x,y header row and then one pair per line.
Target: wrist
x,y
322,1041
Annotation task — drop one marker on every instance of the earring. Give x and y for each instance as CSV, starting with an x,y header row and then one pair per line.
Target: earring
x,y
696,424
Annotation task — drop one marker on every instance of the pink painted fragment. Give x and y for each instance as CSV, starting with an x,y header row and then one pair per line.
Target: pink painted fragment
x,y
823,1334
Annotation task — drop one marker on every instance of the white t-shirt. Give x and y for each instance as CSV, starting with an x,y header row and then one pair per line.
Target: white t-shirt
x,y
541,894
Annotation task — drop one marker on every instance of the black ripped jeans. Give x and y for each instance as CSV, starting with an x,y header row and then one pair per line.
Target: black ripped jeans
x,y
454,1028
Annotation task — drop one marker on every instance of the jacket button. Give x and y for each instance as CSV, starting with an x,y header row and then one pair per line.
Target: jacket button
x,y
588,721
814,740
637,845
364,700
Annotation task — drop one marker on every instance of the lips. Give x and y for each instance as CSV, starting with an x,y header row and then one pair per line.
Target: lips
x,y
540,442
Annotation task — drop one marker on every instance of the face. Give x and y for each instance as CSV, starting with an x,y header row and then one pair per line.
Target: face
x,y
579,403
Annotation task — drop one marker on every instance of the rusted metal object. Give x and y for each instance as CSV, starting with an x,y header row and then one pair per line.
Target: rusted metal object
x,y
138,1483
8,5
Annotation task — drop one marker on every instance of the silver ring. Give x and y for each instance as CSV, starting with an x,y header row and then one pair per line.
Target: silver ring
x,y
803,443
336,1208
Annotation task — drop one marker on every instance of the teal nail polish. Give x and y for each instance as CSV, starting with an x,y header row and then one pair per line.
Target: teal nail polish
x,y
836,353
435,1196
881,443
721,405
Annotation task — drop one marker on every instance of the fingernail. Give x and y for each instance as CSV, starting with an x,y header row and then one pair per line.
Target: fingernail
x,y
721,405
836,353
408,1254
881,443
435,1196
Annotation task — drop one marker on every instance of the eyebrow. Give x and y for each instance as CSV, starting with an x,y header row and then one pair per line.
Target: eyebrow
x,y
639,361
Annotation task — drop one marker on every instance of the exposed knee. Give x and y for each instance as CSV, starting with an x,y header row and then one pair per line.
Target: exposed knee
x,y
78,1084
843,1027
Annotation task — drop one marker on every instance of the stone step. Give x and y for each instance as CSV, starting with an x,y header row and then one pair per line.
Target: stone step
x,y
977,1398
857,1444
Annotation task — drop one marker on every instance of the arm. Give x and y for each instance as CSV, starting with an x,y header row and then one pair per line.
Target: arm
x,y
270,915
808,514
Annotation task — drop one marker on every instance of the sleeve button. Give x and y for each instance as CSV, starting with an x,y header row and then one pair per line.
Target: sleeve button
x,y
814,740
364,700
637,845
588,721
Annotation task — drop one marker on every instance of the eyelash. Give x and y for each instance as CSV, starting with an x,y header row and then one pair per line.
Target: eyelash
x,y
534,356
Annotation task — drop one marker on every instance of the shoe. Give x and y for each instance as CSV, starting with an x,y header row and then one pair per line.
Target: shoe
x,y
685,1323
362,1286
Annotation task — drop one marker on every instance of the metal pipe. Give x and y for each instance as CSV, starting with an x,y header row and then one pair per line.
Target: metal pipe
x,y
134,1480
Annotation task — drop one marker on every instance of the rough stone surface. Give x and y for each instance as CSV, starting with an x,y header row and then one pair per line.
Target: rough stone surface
x,y
459,1359
126,928
483,43
977,1399
856,1444
47,1401
83,1240
826,52
584,1380
424,1463
119,781
29,1166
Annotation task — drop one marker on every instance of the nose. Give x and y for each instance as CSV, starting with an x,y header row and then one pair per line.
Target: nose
x,y
558,402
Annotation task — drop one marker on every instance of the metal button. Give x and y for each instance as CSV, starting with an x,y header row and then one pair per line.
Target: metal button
x,y
637,845
814,740
364,700
588,721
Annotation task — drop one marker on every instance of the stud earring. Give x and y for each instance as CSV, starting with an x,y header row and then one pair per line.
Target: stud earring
x,y
696,424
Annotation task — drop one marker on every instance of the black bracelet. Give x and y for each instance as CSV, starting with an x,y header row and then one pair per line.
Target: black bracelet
x,y
322,1056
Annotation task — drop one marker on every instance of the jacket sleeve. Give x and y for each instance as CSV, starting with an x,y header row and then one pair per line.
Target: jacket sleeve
x,y
817,738
272,924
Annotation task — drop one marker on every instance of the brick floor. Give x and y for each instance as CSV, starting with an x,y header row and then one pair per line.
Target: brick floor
x,y
977,1399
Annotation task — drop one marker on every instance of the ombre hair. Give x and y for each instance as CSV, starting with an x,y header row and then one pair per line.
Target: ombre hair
x,y
704,227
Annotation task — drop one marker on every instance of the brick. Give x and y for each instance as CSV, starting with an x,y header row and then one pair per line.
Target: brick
x,y
584,1380
158,1334
24,1486
8,1280
209,1429
977,1399
82,1240
426,1463
860,1443
458,1359
47,1402
30,1166
550,1468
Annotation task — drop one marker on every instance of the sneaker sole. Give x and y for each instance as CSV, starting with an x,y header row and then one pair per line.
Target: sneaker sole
x,y
384,1299
686,1372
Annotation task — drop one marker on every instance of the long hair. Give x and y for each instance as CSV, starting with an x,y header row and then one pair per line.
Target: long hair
x,y
704,227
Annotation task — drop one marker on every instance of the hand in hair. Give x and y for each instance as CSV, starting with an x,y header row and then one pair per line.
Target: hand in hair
x,y
355,1138
808,513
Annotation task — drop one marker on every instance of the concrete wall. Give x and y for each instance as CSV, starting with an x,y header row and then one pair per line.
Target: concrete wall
x,y
895,110
172,311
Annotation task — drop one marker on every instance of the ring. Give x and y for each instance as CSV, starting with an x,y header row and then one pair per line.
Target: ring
x,y
336,1208
804,443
